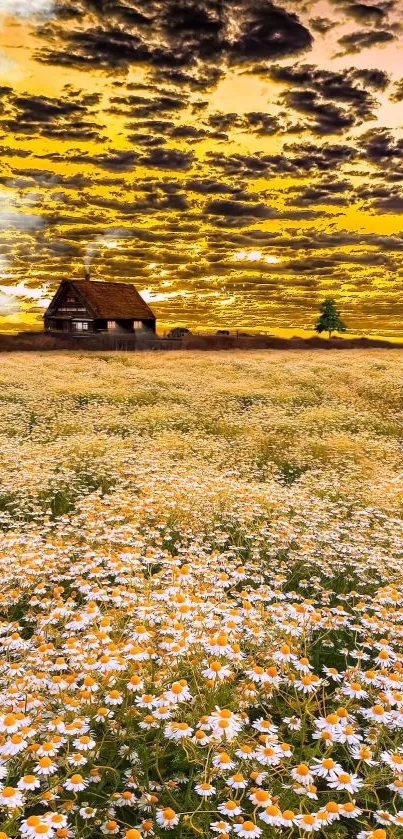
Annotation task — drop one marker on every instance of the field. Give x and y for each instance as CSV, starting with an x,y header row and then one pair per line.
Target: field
x,y
201,595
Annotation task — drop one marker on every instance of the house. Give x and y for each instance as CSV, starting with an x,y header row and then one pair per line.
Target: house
x,y
87,306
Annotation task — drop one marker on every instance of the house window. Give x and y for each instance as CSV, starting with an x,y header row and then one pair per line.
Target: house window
x,y
111,324
137,324
80,326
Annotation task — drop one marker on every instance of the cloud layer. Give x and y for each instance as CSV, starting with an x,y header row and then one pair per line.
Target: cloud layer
x,y
243,159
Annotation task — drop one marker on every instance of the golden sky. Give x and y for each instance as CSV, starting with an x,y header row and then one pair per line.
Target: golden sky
x,y
238,160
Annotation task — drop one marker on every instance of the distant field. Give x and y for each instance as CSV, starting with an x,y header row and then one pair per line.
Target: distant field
x,y
201,594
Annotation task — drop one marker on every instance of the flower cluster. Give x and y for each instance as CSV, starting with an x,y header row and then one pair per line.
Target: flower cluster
x,y
188,649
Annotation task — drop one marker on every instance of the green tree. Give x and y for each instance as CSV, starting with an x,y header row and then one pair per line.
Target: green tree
x,y
330,319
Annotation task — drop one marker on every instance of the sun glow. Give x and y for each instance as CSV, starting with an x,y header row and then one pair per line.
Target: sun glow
x,y
255,256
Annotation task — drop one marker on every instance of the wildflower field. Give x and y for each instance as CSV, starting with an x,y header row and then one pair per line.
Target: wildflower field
x,y
201,595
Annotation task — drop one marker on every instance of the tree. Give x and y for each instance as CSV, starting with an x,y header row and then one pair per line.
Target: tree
x,y
330,319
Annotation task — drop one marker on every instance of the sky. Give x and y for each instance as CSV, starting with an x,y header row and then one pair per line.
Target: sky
x,y
237,160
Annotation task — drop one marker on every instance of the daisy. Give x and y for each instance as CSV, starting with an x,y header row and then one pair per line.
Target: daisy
x,y
284,654
271,815
333,674
41,830
9,723
248,830
75,783
394,760
237,781
11,797
28,824
383,817
146,827
245,752
162,712
309,791
257,674
148,722
365,754
303,665
87,812
302,774
225,724
354,691
200,738
48,749
177,730
12,747
216,671
147,700
110,827
103,714
179,692
29,782
45,766
84,743
377,714
293,723
55,820
223,761
397,786
265,726
167,818
205,789
332,810
288,818
230,808
348,734
258,777
268,755
220,827
308,822
350,810
343,780
77,759
324,767
260,797
136,683
308,683
113,698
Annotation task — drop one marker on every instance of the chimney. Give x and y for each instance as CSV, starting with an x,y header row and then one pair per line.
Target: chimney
x,y
87,275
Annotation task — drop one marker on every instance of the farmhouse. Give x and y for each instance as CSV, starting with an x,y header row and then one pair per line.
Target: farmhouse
x,y
87,306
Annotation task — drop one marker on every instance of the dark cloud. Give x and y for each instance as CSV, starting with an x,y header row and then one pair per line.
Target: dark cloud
x,y
326,118
380,146
63,118
296,160
113,161
333,101
366,13
327,192
397,92
322,24
168,159
390,203
231,209
364,39
142,107
177,35
261,123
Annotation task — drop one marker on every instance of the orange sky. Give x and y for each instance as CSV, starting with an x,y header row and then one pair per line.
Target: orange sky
x,y
237,161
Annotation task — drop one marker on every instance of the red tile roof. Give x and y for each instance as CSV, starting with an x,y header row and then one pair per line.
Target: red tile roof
x,y
113,301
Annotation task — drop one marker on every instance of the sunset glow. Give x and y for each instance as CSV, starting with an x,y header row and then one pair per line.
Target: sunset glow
x,y
251,154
